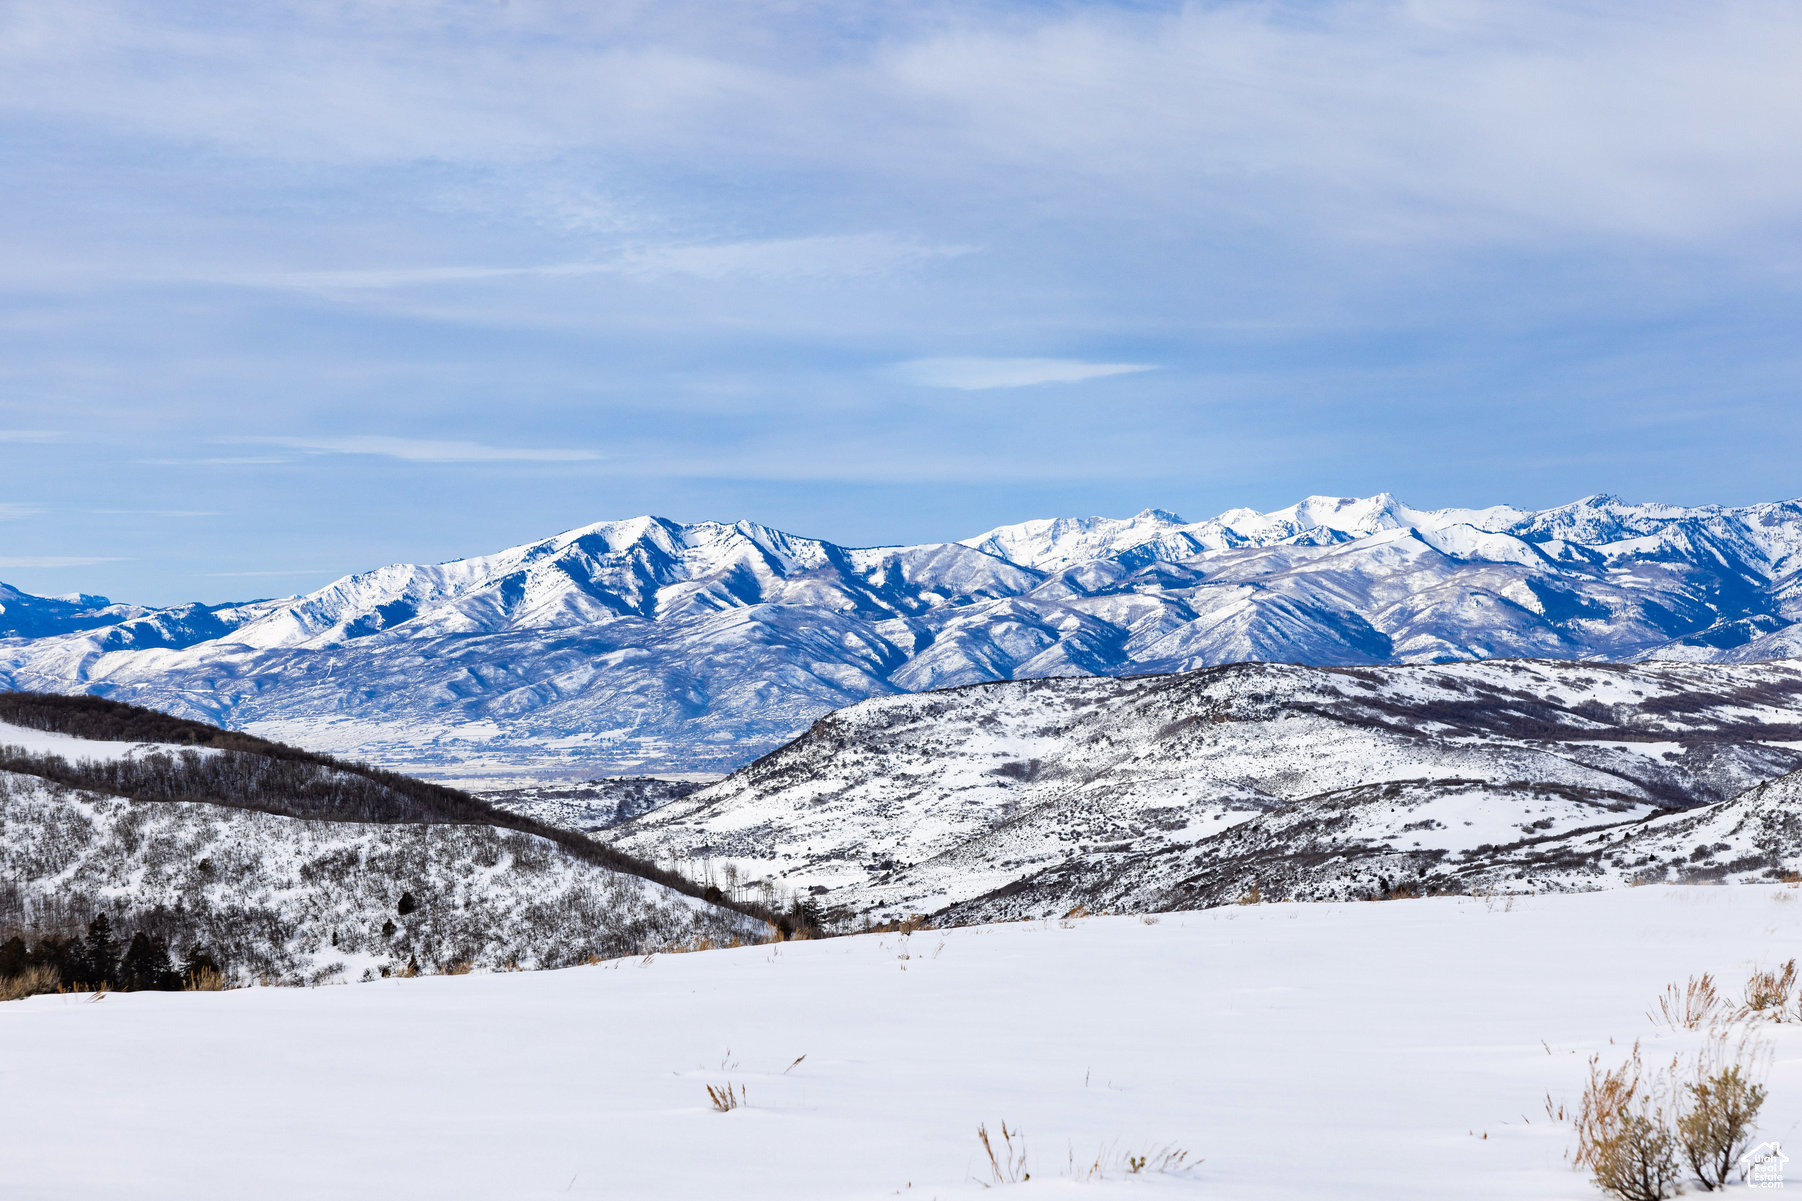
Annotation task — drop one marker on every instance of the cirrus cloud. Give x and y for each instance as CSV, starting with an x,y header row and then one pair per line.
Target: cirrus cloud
x,y
427,450
976,374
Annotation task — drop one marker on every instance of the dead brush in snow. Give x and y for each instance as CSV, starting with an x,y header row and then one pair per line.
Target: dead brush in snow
x,y
206,979
727,1097
1695,1004
1623,1136
1111,1161
1605,1097
39,978
1768,993
1717,1129
1636,1128
1008,1166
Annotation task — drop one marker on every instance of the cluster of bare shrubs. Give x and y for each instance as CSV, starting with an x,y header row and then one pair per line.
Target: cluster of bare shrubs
x,y
1769,994
1644,1132
39,978
1639,1128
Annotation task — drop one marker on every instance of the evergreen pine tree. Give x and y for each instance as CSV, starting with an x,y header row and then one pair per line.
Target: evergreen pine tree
x,y
101,955
146,966
194,962
12,956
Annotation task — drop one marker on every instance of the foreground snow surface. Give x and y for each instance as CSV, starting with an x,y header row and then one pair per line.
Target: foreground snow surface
x,y
1356,1050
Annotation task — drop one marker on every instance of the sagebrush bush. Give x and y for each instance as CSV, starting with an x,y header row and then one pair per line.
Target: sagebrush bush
x,y
1638,1162
1634,1125
1718,1127
1606,1097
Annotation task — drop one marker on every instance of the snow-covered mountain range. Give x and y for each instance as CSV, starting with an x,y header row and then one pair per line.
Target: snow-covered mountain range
x,y
650,645
1031,798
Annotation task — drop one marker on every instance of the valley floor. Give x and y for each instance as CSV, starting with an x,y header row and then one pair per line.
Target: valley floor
x,y
1298,1051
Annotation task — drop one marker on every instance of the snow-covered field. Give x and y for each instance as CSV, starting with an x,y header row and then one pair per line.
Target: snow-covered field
x,y
1300,1051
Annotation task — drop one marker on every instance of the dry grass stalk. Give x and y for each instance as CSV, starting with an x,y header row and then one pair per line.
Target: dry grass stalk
x,y
205,979
1008,1167
1111,1160
40,978
1696,1004
1250,896
1768,993
726,1098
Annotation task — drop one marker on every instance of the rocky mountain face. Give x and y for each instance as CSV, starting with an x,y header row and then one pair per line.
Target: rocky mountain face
x,y
647,645
1262,781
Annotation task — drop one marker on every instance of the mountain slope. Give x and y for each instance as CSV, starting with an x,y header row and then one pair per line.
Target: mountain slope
x,y
650,645
1029,798
301,901
297,867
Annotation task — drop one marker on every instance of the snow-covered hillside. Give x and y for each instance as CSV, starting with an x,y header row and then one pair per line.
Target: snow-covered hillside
x,y
1387,1052
293,868
649,645
299,901
1032,797
593,805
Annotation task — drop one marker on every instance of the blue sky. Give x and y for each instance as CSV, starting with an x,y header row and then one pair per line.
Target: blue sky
x,y
288,291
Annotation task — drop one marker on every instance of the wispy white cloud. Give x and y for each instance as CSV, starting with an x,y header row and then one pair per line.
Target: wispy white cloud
x,y
30,435
169,513
13,512
975,374
58,560
425,450
824,257
217,461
